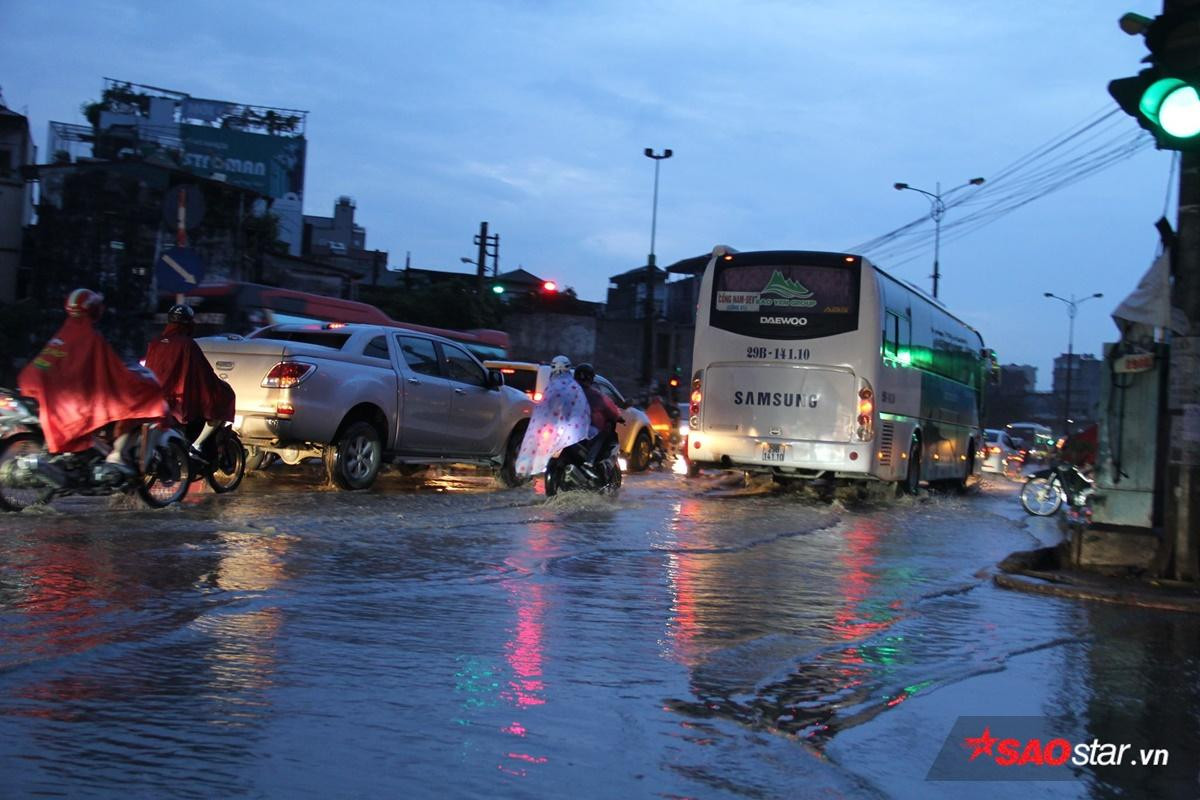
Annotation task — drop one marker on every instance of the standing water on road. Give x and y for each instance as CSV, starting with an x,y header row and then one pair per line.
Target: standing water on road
x,y
437,637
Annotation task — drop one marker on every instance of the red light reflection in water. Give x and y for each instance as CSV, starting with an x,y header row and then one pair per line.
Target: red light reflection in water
x,y
524,651
683,569
856,582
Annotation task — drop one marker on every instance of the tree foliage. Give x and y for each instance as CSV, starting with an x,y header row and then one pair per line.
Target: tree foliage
x,y
451,304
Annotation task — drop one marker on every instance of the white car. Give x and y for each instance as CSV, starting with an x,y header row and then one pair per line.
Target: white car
x,y
635,435
1000,447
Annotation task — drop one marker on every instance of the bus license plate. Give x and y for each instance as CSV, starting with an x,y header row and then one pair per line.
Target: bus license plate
x,y
774,452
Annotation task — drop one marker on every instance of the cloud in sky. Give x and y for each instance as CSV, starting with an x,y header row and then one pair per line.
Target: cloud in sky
x,y
790,122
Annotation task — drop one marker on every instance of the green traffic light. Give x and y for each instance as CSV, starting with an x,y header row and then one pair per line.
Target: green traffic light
x,y
498,289
1179,114
1174,106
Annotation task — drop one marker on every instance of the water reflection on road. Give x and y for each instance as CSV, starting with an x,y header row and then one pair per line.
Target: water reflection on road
x,y
438,636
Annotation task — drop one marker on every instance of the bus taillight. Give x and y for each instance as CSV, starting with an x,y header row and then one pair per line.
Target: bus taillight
x,y
694,405
866,413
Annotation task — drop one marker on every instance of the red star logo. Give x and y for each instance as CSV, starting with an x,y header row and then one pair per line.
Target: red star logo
x,y
982,743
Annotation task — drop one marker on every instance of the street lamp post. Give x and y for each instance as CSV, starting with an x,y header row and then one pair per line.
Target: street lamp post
x,y
1072,309
937,210
648,336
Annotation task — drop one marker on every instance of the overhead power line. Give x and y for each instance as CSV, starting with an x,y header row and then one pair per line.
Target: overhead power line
x,y
1098,142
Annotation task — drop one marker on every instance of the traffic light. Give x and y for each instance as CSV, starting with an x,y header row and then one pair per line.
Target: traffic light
x,y
673,381
549,287
498,288
1163,98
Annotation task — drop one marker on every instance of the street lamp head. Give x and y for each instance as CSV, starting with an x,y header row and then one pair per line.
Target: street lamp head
x,y
648,152
900,186
975,181
667,153
466,260
1048,294
1098,294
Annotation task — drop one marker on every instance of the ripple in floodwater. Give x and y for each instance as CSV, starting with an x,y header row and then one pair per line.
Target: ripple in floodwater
x,y
687,638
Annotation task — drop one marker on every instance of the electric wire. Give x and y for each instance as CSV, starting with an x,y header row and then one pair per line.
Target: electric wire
x,y
1091,146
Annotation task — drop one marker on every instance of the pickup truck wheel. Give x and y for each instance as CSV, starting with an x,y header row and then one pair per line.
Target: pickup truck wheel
x,y
353,461
258,458
508,470
639,456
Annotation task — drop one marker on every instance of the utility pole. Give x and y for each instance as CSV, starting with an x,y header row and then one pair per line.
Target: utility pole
x,y
651,269
1072,310
488,246
481,240
937,210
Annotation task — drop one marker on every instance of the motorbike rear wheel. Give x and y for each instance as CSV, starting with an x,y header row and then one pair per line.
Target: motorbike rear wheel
x,y
15,497
167,478
554,478
1041,496
613,487
228,465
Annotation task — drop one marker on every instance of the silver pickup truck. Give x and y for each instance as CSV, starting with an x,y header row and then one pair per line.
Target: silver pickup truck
x,y
360,395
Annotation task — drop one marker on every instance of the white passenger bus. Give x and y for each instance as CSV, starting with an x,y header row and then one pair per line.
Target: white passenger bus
x,y
820,365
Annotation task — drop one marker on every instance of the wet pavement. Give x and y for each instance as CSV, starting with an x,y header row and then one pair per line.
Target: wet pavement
x,y
439,636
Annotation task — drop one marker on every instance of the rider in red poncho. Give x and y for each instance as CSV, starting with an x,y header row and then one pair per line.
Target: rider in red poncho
x,y
81,384
193,390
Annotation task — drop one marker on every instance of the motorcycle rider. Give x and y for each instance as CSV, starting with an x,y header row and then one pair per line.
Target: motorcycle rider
x,y
193,390
558,421
82,385
605,414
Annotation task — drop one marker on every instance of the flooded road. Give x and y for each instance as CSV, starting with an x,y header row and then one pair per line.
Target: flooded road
x,y
441,637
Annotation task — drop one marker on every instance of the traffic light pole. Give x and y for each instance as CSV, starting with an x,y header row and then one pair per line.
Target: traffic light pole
x,y
1181,508
1182,500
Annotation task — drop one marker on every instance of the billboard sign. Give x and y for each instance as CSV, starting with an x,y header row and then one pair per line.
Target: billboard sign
x,y
270,165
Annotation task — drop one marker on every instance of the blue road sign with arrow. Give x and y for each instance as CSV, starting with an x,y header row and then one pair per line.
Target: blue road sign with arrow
x,y
179,270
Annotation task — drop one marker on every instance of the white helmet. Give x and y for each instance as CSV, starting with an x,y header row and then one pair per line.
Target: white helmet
x,y
560,365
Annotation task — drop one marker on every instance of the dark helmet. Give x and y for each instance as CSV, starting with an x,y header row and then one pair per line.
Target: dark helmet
x,y
84,303
181,314
584,373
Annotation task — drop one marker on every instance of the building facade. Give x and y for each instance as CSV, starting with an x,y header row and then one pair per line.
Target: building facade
x,y
16,200
1086,373
340,241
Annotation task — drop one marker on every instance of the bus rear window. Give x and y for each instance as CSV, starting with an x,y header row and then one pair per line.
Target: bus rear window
x,y
328,339
785,301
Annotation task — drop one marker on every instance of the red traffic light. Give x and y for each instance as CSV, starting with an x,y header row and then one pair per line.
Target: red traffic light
x,y
549,286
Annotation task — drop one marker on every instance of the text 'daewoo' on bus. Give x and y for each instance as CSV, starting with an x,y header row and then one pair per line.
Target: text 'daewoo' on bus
x,y
820,365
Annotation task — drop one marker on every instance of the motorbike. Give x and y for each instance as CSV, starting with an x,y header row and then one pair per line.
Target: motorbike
x,y
1046,490
1013,466
30,475
222,462
571,470
662,453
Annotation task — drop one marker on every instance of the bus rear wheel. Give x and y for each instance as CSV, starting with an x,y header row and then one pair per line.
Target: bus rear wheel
x,y
912,480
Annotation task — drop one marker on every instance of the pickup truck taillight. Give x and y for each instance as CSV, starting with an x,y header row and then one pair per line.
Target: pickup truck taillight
x,y
287,374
